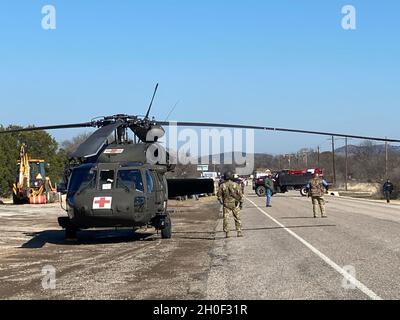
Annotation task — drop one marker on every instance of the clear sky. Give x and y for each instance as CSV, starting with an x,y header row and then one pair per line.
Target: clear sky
x,y
276,63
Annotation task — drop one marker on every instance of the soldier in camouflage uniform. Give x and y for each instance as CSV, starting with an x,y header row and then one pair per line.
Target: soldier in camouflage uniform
x,y
230,196
316,190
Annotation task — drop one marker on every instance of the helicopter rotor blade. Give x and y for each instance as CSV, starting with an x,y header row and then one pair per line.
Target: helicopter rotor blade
x,y
91,146
63,126
151,103
234,126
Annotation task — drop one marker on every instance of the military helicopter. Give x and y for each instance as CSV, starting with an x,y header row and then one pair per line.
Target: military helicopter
x,y
115,185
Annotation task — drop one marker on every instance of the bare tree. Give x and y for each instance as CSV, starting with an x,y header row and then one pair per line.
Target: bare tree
x,y
69,146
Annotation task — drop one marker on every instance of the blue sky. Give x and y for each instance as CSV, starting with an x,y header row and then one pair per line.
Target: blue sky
x,y
277,63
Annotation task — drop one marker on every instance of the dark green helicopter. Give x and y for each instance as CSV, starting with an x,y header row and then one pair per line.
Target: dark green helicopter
x,y
119,184
115,185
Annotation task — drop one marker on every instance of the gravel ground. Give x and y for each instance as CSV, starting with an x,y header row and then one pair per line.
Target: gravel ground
x,y
106,264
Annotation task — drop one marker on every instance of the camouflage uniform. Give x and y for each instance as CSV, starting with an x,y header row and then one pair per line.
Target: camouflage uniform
x,y
317,187
230,196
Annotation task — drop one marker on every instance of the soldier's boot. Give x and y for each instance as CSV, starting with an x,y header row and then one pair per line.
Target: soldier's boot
x,y
239,234
227,235
315,211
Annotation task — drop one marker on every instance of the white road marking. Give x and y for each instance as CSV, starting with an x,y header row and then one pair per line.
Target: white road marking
x,y
335,266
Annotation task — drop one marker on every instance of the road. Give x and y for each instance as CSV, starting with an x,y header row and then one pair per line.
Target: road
x,y
285,254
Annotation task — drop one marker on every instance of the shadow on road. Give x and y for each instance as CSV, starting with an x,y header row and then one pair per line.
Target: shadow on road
x,y
86,237
219,235
187,235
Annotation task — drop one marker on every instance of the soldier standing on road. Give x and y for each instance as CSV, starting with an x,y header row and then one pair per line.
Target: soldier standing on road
x,y
231,197
317,188
388,190
269,189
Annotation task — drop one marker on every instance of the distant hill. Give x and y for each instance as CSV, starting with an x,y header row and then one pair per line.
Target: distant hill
x,y
268,158
379,148
226,156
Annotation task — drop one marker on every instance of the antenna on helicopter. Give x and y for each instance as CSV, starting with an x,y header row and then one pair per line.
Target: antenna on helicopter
x,y
172,110
151,103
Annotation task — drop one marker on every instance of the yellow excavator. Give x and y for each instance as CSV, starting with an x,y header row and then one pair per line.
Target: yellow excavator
x,y
32,186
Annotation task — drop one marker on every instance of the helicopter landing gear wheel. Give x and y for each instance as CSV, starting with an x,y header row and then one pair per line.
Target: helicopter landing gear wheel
x,y
166,232
70,230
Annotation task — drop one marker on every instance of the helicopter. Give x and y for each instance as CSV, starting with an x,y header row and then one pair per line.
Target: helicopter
x,y
113,185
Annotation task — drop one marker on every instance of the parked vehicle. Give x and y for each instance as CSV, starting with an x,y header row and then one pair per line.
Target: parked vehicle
x,y
32,185
287,180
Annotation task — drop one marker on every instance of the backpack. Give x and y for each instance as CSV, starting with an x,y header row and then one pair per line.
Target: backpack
x,y
317,188
233,192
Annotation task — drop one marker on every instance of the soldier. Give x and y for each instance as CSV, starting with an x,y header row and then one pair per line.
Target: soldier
x,y
388,190
316,190
240,182
231,197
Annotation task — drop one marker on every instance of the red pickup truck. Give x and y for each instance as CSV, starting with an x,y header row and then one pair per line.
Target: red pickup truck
x,y
286,180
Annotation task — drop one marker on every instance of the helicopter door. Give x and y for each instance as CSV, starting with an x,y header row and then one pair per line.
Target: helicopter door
x,y
103,198
151,199
159,192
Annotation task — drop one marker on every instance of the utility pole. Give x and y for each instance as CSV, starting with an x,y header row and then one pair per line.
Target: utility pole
x,y
318,155
289,159
306,155
386,158
333,160
347,172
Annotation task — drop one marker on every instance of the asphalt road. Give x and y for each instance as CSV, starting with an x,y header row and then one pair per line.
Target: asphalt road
x,y
285,254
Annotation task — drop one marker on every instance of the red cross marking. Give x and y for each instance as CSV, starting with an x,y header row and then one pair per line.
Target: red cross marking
x,y
102,202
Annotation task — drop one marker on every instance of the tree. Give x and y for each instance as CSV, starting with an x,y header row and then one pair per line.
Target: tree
x,y
69,146
8,162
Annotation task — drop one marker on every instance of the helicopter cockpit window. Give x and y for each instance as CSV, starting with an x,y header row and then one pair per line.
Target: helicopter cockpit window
x,y
83,177
106,179
150,182
131,179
